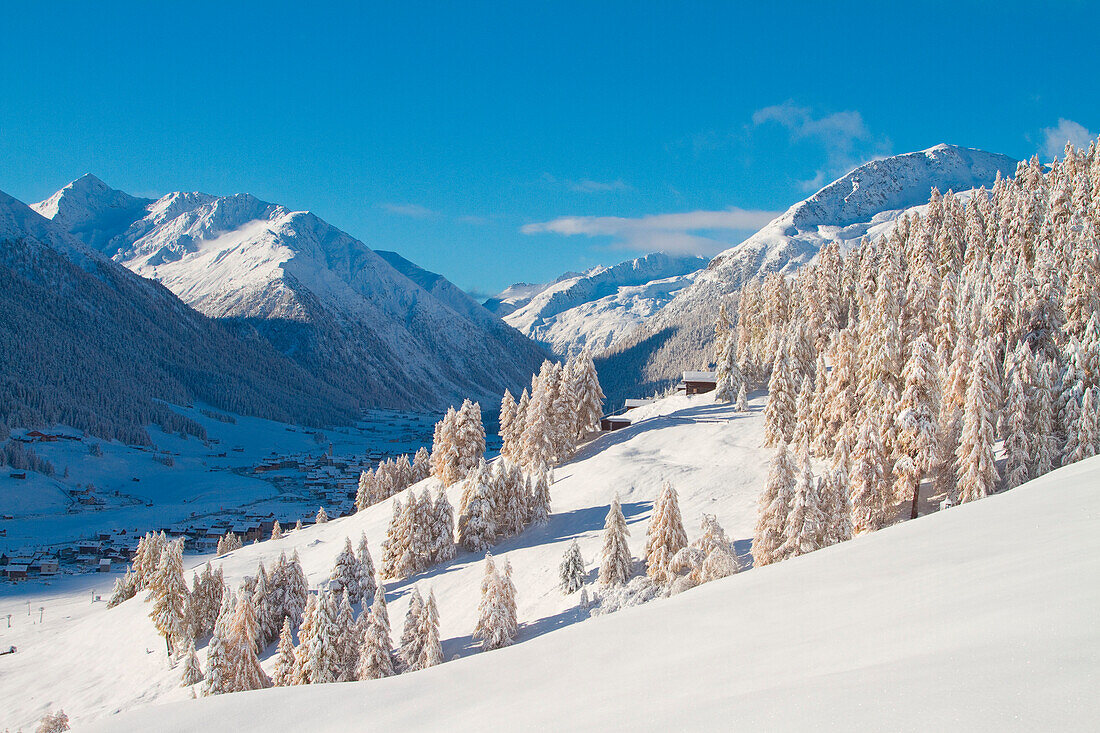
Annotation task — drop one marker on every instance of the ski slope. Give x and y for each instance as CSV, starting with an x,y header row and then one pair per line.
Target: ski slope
x,y
981,617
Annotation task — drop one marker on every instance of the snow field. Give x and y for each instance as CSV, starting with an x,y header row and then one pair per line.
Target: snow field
x,y
710,454
981,617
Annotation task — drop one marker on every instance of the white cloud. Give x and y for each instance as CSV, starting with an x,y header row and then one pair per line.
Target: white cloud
x,y
682,232
1055,138
415,211
843,137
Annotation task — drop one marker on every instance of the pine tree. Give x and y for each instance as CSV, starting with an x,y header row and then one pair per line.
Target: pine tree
x,y
244,638
1046,442
53,723
805,526
773,507
442,543
590,396
617,565
1017,418
742,399
871,495
325,650
779,412
446,456
268,611
303,664
220,670
571,571
170,596
469,437
410,646
728,377
538,440
366,569
507,420
283,675
365,494
376,655
322,515
1088,431
421,465
391,546
296,590
918,421
496,615
125,589
347,573
976,468
476,526
276,531
665,536
347,639
192,672
431,651
539,509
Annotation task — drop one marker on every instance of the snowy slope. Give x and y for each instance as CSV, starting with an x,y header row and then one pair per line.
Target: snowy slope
x,y
865,201
597,307
92,210
315,293
981,617
516,296
710,453
90,344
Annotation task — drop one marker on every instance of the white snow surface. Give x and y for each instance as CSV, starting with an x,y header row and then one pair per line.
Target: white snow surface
x,y
597,307
979,617
710,453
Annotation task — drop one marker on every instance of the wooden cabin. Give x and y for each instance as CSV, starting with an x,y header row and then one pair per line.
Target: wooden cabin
x,y
614,422
699,382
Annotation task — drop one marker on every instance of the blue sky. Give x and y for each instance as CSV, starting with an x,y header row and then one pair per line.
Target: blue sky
x,y
497,142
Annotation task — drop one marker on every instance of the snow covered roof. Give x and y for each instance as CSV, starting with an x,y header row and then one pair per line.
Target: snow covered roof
x,y
700,377
637,402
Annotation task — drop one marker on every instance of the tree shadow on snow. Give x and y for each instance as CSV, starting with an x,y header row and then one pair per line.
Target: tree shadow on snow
x,y
562,526
462,646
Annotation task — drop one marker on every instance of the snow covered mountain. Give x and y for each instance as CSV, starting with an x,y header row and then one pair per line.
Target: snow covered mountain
x,y
89,344
388,337
597,307
866,201
517,295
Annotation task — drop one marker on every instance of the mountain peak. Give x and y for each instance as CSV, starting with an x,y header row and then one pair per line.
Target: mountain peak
x,y
92,210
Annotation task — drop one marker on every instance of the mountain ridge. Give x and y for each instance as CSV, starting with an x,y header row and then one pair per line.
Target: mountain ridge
x,y
317,294
864,201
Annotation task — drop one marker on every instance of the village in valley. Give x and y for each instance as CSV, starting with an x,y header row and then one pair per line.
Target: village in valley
x,y
307,470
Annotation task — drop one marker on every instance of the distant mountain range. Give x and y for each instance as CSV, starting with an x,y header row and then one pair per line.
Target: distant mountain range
x,y
310,322
866,201
595,308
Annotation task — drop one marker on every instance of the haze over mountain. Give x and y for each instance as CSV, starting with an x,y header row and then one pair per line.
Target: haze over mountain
x,y
388,337
865,201
595,308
